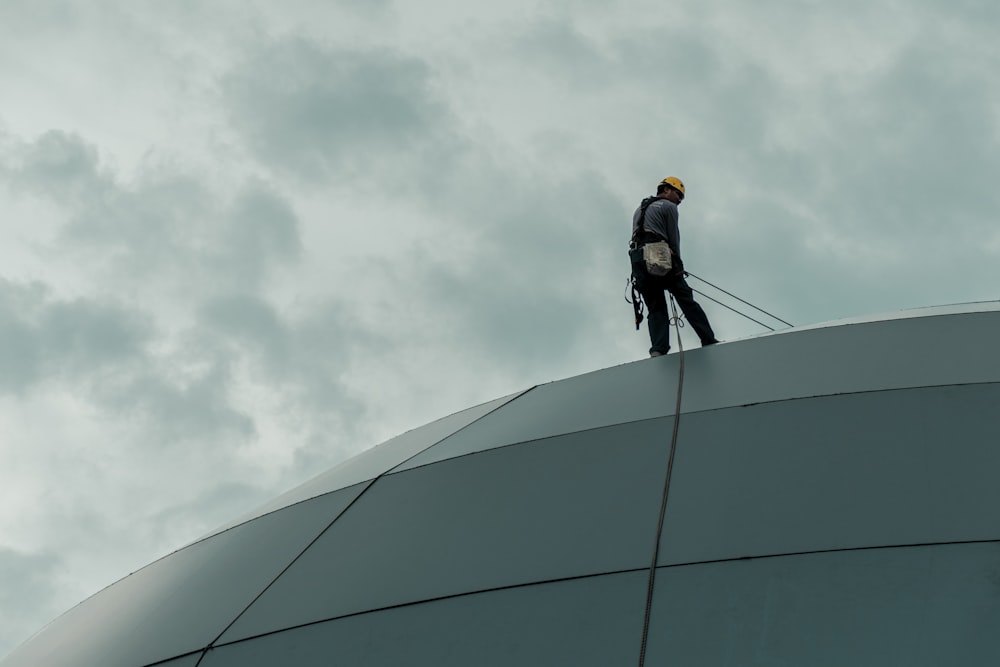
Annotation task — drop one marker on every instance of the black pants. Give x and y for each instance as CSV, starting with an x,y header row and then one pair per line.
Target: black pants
x,y
652,289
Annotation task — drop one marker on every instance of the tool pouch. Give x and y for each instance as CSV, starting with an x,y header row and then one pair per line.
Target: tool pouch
x,y
657,258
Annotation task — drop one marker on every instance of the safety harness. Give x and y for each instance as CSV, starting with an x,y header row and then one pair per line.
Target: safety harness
x,y
635,256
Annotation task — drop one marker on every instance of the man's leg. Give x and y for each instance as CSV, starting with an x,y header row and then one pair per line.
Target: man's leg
x,y
692,311
657,319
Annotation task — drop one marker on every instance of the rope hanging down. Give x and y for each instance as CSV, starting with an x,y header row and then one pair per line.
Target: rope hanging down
x,y
666,488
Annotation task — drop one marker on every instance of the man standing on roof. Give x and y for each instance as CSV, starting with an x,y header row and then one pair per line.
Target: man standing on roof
x,y
656,220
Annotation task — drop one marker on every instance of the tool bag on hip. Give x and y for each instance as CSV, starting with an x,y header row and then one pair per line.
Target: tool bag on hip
x,y
657,258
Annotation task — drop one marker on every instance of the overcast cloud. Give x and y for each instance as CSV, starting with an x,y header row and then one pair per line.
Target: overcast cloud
x,y
243,241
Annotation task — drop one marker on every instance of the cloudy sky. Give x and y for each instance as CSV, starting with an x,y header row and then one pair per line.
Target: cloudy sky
x,y
241,241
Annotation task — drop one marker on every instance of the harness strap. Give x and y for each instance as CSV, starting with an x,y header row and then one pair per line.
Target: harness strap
x,y
636,300
635,244
637,241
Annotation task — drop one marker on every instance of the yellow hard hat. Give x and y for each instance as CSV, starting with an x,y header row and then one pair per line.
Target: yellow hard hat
x,y
675,183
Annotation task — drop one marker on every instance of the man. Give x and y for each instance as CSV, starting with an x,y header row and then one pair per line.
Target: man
x,y
658,219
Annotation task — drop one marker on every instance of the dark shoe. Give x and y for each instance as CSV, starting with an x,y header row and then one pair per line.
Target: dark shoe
x,y
656,354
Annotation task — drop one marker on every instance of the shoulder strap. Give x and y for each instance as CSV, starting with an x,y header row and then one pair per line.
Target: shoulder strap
x,y
637,234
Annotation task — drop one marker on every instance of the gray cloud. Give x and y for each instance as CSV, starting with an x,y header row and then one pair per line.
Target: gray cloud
x,y
520,277
165,225
42,337
506,294
104,350
934,150
301,356
319,109
60,165
194,408
264,227
170,242
32,16
251,322
561,52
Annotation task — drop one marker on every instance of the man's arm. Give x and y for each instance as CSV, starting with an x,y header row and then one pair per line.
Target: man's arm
x,y
671,230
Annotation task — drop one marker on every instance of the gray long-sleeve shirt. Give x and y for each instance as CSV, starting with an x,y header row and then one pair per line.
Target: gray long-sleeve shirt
x,y
661,218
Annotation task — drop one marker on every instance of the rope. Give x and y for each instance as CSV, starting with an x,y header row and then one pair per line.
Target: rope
x,y
739,299
731,308
666,489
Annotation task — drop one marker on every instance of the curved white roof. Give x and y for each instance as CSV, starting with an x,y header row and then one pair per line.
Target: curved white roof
x,y
834,500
